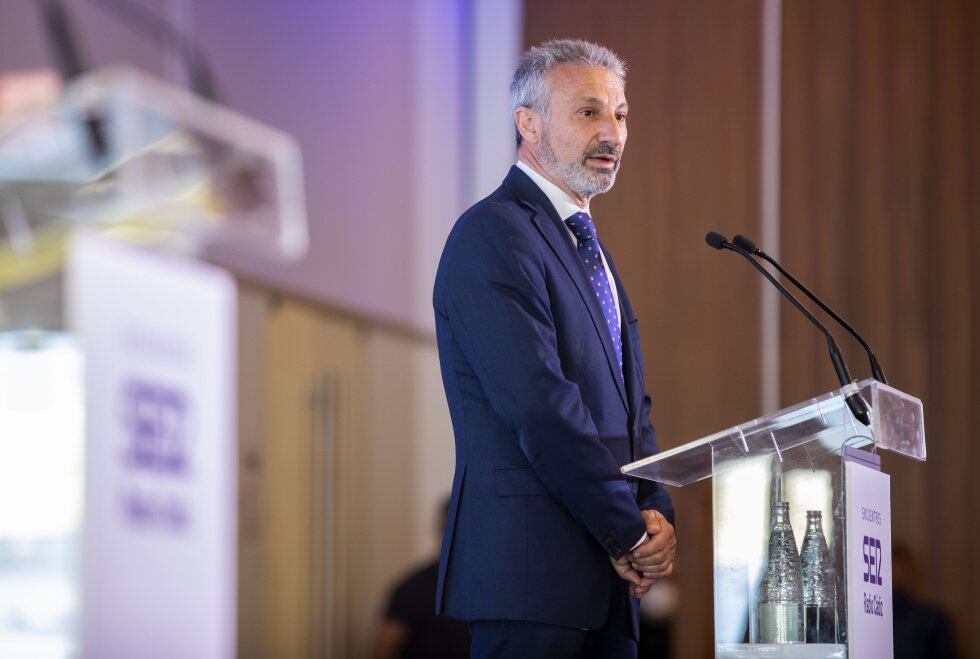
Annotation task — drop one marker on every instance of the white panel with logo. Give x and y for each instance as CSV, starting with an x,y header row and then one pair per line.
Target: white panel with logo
x,y
869,570
159,339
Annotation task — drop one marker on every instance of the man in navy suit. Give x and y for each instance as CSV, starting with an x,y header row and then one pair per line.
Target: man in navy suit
x,y
547,546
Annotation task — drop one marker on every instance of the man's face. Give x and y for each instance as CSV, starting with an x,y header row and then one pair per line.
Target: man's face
x,y
584,132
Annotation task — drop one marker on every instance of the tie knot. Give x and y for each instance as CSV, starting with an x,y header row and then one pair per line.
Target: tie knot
x,y
582,226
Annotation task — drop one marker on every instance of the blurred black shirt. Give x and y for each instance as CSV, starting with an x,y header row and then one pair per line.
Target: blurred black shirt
x,y
921,631
413,603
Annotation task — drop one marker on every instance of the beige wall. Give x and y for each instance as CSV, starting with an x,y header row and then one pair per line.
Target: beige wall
x,y
346,451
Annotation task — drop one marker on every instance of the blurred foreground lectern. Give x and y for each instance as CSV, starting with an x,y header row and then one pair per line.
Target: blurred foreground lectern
x,y
139,186
802,523
124,152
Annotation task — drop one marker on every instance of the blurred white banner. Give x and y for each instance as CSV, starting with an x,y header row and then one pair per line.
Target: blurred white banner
x,y
869,564
158,335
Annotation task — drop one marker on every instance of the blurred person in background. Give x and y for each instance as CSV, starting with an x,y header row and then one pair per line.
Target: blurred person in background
x,y
547,546
657,611
410,628
921,630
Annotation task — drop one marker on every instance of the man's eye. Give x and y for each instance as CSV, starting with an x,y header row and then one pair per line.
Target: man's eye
x,y
588,113
621,117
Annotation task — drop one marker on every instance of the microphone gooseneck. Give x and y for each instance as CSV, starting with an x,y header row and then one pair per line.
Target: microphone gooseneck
x,y
148,24
876,371
71,64
856,404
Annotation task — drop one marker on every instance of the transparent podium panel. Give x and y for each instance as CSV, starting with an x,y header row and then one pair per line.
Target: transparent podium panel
x,y
762,586
127,151
819,425
780,520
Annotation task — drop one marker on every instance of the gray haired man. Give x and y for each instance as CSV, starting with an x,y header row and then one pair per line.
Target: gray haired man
x,y
547,548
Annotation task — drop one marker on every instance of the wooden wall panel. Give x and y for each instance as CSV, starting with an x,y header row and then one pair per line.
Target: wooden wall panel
x,y
343,467
691,165
880,180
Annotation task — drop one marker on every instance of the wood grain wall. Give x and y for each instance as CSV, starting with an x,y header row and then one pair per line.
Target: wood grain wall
x,y
690,166
880,168
880,213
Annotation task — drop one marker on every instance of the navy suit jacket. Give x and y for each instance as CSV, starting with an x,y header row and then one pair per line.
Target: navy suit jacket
x,y
542,420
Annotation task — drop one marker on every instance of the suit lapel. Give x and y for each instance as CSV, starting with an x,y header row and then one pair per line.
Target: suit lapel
x,y
546,218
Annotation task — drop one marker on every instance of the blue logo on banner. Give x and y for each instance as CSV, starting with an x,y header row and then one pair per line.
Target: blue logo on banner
x,y
872,561
155,419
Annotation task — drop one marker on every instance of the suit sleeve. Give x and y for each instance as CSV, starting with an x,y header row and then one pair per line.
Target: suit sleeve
x,y
651,494
496,300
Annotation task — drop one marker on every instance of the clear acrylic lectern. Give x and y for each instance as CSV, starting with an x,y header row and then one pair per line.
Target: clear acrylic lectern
x,y
797,573
153,163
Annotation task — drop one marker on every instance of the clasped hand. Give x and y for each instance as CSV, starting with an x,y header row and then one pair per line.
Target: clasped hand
x,y
651,561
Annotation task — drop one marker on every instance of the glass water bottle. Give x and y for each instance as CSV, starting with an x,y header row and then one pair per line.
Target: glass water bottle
x,y
819,587
781,603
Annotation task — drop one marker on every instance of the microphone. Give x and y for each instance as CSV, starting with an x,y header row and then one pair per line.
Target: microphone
x,y
140,20
63,41
70,64
144,22
854,402
750,247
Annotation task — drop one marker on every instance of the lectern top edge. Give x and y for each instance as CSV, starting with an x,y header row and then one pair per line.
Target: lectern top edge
x,y
820,425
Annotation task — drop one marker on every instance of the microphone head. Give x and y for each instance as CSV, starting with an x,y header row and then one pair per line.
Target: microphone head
x,y
716,240
744,243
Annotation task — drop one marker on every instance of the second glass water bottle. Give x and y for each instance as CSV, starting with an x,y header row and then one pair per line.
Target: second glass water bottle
x,y
819,588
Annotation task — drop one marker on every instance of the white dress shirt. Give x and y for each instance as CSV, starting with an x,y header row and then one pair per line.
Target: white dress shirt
x,y
566,208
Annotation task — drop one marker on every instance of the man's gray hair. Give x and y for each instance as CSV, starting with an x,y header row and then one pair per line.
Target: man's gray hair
x,y
530,87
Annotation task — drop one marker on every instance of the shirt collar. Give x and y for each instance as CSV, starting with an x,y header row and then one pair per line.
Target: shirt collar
x,y
558,197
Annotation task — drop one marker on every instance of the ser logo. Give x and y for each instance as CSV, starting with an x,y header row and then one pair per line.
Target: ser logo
x,y
156,421
872,561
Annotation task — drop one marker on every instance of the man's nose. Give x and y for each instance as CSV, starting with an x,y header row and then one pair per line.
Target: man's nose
x,y
612,131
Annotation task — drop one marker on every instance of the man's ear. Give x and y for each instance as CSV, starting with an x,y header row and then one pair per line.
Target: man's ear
x,y
528,124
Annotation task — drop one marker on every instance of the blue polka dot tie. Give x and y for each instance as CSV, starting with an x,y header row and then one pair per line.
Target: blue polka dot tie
x,y
588,250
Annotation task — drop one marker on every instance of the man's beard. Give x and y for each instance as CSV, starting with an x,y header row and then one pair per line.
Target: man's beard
x,y
580,177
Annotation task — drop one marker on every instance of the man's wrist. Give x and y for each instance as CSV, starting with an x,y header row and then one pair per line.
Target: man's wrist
x,y
639,542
